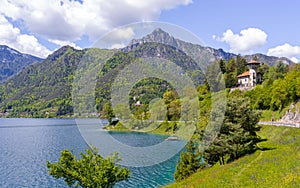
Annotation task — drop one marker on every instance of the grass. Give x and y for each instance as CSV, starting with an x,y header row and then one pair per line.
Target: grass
x,y
277,164
267,115
163,129
296,107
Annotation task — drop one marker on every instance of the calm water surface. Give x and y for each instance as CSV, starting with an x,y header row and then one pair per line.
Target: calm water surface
x,y
26,144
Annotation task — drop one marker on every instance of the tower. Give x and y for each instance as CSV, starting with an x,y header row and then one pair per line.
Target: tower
x,y
254,77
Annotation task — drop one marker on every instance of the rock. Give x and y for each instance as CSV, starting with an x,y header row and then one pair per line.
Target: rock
x,y
292,115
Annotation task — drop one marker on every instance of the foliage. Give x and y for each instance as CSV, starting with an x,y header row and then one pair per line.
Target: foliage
x,y
241,64
237,136
107,112
173,105
276,164
190,161
276,92
91,170
230,78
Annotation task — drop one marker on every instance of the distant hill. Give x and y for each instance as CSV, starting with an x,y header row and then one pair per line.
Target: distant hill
x,y
13,61
45,87
269,60
203,52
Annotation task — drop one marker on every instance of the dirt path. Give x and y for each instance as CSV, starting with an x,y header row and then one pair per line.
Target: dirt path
x,y
296,125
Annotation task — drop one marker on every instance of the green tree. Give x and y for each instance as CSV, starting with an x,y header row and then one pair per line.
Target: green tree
x,y
169,96
107,112
230,77
65,107
174,110
238,134
241,64
222,64
255,58
173,105
190,161
263,69
214,77
281,69
90,171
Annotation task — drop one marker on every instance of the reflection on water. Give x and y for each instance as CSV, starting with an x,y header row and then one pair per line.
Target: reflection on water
x,y
26,144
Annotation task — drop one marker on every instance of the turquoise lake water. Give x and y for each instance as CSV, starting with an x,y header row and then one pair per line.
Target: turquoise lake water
x,y
26,144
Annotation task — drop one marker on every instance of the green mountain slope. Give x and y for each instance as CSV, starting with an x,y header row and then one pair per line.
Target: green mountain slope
x,y
45,89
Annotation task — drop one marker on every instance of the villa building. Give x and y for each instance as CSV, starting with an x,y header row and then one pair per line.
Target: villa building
x,y
249,79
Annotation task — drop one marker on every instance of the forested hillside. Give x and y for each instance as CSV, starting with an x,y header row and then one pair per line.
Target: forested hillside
x,y
45,89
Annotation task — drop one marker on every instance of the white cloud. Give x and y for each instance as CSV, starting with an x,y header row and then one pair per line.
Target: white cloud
x,y
244,42
69,20
64,43
294,59
285,50
117,46
63,22
125,33
11,36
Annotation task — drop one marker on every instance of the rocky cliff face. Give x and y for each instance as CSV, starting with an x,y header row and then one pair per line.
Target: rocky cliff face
x,y
293,114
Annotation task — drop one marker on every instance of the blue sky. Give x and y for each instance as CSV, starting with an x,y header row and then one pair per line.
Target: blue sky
x,y
39,27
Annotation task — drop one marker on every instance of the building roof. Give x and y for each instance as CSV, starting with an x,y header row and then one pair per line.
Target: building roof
x,y
253,62
245,74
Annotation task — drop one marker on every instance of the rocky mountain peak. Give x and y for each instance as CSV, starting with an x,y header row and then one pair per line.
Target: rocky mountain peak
x,y
13,61
158,35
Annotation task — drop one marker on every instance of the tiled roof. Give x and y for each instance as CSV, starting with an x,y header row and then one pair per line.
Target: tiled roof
x,y
245,74
253,62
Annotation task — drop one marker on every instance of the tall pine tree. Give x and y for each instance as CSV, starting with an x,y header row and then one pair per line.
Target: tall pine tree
x,y
190,161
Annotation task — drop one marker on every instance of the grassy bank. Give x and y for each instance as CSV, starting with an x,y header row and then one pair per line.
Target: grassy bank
x,y
267,115
276,165
165,128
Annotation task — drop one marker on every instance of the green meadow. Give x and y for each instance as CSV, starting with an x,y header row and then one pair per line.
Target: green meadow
x,y
276,164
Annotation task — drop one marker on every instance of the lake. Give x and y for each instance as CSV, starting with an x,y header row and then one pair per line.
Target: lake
x,y
26,144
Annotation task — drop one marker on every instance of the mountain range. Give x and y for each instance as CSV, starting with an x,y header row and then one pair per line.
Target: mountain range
x,y
160,36
13,61
44,89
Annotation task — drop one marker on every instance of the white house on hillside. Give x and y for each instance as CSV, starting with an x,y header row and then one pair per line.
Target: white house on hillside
x,y
249,79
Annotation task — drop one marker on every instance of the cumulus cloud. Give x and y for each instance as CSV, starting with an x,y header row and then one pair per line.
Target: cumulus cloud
x,y
285,50
244,42
63,22
64,43
12,36
69,20
117,46
294,59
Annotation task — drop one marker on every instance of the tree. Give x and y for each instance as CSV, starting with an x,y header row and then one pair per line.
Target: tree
x,y
230,77
169,96
214,77
173,105
241,64
174,110
107,112
190,161
65,107
281,69
255,58
91,170
222,64
238,134
263,69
